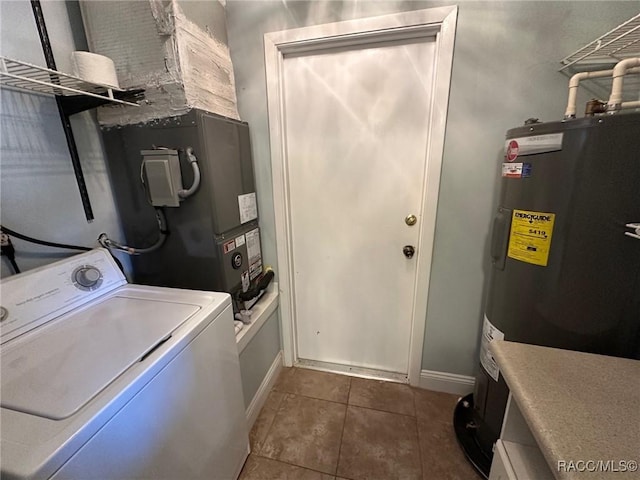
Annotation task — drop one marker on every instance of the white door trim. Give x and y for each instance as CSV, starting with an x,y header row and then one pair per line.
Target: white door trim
x,y
439,22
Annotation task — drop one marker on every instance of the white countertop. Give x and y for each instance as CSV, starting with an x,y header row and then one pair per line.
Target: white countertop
x,y
578,406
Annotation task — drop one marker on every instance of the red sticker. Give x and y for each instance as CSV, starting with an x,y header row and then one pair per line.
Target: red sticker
x,y
512,150
229,246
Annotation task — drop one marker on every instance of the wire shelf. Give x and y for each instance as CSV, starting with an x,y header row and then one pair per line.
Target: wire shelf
x,y
620,43
24,76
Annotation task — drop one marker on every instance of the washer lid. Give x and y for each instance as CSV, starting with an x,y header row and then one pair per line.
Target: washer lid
x,y
57,369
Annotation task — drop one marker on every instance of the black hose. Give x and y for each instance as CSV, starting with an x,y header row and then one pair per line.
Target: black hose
x,y
42,242
106,242
7,250
12,260
14,265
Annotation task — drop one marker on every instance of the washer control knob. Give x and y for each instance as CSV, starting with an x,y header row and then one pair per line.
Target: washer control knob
x,y
87,277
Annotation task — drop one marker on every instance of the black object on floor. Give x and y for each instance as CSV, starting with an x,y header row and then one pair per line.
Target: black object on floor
x,y
465,429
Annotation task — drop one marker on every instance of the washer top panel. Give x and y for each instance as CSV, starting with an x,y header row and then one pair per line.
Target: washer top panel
x,y
56,369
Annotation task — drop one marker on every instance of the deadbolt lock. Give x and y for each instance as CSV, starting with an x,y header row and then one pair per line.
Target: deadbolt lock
x,y
408,251
411,220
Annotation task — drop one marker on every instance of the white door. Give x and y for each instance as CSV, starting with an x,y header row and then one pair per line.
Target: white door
x,y
357,125
354,133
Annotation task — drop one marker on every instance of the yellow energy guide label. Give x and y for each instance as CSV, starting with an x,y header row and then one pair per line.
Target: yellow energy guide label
x,y
530,238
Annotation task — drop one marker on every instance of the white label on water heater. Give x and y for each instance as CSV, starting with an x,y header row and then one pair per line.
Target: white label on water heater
x,y
489,333
518,147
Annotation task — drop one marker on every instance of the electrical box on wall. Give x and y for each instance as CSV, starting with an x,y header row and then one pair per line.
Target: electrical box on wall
x,y
161,173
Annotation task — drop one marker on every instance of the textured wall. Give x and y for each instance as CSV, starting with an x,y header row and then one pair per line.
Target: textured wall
x,y
504,71
39,196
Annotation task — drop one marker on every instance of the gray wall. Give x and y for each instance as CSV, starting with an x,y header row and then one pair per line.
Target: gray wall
x,y
38,192
258,355
504,71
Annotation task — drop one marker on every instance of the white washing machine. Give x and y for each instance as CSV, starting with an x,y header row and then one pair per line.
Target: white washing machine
x,y
106,380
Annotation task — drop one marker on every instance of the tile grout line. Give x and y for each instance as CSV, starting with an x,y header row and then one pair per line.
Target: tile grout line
x,y
306,396
290,394
351,378
280,407
294,465
272,420
284,393
415,409
347,404
344,423
382,411
258,452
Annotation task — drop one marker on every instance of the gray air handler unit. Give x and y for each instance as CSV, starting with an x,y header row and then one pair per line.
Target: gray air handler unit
x,y
565,253
211,239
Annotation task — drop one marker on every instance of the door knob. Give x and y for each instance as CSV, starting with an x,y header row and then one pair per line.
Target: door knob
x,y
408,251
411,220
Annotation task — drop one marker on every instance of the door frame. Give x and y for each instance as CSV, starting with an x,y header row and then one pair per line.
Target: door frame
x,y
433,22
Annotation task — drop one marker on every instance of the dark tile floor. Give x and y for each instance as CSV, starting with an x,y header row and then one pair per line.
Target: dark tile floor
x,y
321,426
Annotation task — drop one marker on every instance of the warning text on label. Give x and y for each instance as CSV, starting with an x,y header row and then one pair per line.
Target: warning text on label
x,y
530,238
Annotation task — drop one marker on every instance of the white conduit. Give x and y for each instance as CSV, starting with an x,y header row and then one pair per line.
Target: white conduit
x,y
630,104
575,82
619,72
573,88
196,175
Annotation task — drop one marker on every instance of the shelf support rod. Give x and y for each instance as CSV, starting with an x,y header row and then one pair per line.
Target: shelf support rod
x,y
64,118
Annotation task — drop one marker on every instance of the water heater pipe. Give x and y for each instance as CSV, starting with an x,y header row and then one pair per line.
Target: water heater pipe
x,y
575,80
635,104
619,72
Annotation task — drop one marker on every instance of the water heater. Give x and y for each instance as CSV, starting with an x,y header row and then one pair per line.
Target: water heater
x,y
565,255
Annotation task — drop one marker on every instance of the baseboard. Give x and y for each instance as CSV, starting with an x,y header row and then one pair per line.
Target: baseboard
x,y
446,382
263,391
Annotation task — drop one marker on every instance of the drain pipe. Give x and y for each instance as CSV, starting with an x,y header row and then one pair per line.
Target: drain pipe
x,y
570,112
619,72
